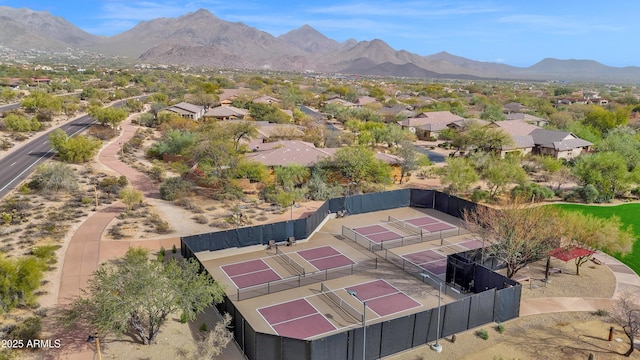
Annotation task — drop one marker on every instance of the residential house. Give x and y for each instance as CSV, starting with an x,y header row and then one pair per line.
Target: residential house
x,y
533,120
520,134
427,125
289,152
187,111
365,100
559,144
226,112
340,102
513,107
265,99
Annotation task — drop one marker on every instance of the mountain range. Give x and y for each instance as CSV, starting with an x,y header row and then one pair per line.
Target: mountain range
x,y
201,39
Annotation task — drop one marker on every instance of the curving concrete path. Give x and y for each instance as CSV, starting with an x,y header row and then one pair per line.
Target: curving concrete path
x,y
627,281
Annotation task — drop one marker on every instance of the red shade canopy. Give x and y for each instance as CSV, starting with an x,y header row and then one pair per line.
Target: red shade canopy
x,y
569,253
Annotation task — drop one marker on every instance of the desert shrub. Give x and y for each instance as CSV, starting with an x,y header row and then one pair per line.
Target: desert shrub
x,y
46,253
482,334
479,195
600,312
531,191
112,184
173,188
54,177
201,219
203,327
588,193
19,123
103,132
500,328
28,329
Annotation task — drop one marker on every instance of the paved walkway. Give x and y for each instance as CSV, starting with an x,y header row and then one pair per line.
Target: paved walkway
x,y
626,282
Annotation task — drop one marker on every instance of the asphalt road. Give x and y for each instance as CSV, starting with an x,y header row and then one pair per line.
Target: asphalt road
x,y
17,165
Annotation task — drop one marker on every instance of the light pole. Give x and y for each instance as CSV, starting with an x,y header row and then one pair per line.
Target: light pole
x,y
437,347
364,323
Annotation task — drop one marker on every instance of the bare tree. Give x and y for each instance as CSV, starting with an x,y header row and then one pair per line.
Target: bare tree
x,y
517,235
626,313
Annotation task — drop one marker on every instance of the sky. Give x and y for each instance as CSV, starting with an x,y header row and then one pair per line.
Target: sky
x,y
515,32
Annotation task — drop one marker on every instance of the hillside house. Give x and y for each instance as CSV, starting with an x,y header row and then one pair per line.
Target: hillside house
x,y
427,125
513,107
266,99
226,112
530,119
559,144
187,111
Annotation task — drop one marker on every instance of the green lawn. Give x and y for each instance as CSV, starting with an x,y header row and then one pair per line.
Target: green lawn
x,y
629,214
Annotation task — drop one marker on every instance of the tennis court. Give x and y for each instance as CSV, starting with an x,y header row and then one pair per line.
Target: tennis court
x,y
383,298
297,319
325,257
430,224
432,260
250,273
383,234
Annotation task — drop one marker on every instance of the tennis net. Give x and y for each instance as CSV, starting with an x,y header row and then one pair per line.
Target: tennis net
x,y
335,299
286,260
401,224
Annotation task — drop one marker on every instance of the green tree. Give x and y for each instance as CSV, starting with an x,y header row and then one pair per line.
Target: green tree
x,y
458,176
109,115
137,293
268,112
410,158
492,112
39,100
607,171
77,149
291,176
15,122
359,164
624,141
590,232
501,172
605,120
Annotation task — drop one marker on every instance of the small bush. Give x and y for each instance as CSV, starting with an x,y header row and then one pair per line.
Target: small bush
x,y
174,249
174,188
27,330
203,327
600,312
479,195
500,328
201,219
183,318
482,334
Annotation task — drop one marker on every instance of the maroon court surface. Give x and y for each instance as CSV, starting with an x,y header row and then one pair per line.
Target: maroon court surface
x,y
371,229
422,221
296,319
472,244
250,273
382,298
429,260
325,257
